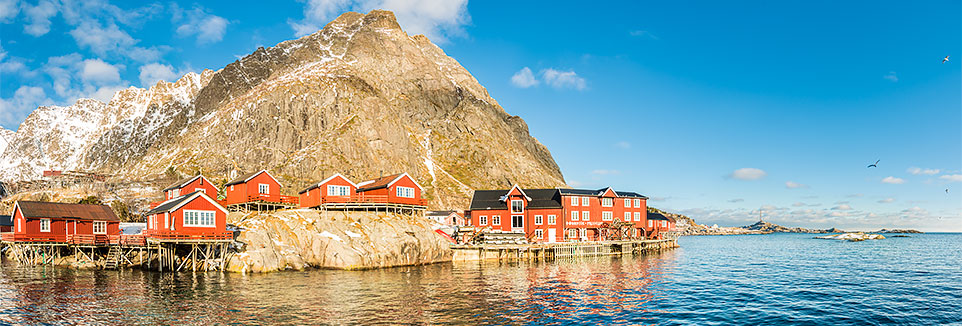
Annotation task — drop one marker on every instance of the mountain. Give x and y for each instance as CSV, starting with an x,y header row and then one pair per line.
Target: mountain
x,y
360,97
6,136
766,227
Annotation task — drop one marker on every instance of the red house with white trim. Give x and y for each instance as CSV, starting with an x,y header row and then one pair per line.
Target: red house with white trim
x,y
395,189
335,189
259,186
192,216
189,185
35,221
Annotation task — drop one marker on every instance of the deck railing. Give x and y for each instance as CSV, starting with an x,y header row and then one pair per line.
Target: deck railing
x,y
371,199
174,235
127,239
292,200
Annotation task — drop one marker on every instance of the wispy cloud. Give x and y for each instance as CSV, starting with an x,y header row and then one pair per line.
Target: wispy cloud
x,y
748,174
893,180
887,200
794,185
891,76
206,27
524,78
843,207
918,171
563,79
952,177
436,19
153,72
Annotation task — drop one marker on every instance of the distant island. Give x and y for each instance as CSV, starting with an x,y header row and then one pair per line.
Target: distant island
x,y
687,226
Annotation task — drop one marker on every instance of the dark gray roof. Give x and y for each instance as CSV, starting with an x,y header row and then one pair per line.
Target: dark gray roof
x,y
598,192
439,213
491,199
182,182
630,194
5,220
170,204
657,216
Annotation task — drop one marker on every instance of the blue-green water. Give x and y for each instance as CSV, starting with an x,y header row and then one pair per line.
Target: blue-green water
x,y
768,279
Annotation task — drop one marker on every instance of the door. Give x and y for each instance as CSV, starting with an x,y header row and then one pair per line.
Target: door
x,y
551,236
517,223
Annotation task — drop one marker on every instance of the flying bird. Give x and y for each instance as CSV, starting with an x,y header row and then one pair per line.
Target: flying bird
x,y
874,165
945,59
946,190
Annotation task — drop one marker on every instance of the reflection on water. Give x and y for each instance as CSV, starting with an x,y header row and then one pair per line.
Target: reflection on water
x,y
710,280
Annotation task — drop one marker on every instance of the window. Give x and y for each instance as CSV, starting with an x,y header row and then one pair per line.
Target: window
x,y
651,223
100,227
583,233
517,206
574,216
231,187
635,233
552,219
584,201
496,220
263,188
517,221
539,234
538,219
19,226
45,225
405,192
176,192
637,217
664,224
606,216
574,200
607,202
572,233
627,202
202,219
166,225
637,203
585,216
483,220
150,222
333,190
627,216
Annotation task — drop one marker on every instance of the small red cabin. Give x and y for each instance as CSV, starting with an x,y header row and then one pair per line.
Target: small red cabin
x,y
191,216
395,189
189,185
257,186
335,189
36,221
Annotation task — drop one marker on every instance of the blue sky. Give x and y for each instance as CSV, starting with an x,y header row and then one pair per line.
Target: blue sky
x,y
716,110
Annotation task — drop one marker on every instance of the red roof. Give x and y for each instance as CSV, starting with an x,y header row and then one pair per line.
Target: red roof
x,y
38,209
378,183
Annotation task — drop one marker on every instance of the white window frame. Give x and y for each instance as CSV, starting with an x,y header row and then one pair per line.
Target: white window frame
x,y
574,200
201,190
539,234
231,187
338,190
45,222
637,202
552,219
195,218
521,205
664,224
583,233
574,215
19,225
572,233
404,192
261,186
520,218
607,216
637,216
585,201
495,219
627,202
103,227
651,223
607,202
482,220
586,215
176,192
538,219
627,216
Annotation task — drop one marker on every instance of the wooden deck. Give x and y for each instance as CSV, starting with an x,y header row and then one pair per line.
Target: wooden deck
x,y
546,251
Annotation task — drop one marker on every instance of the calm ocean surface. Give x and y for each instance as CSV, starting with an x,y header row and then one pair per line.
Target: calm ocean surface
x,y
767,279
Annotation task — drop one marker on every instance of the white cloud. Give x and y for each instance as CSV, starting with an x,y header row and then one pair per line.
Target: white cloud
x,y
208,28
605,172
748,174
952,177
855,195
843,207
524,78
891,76
153,72
887,200
25,99
104,93
99,72
623,145
794,185
918,171
38,17
436,19
563,79
101,40
893,180
8,10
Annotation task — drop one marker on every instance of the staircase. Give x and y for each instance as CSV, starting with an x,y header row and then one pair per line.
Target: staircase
x,y
113,257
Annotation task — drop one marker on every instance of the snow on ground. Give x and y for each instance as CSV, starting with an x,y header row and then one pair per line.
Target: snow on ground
x,y
332,236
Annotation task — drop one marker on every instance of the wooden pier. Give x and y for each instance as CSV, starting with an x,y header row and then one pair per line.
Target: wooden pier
x,y
549,251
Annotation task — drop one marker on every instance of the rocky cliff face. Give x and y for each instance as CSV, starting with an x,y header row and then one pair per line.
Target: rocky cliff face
x,y
305,238
360,97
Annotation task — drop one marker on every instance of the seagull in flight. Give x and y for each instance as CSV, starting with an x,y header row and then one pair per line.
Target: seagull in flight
x,y
874,165
945,59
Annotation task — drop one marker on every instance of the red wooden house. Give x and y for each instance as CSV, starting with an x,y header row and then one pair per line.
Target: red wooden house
x,y
393,189
35,221
194,216
658,224
556,215
256,187
189,185
335,189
